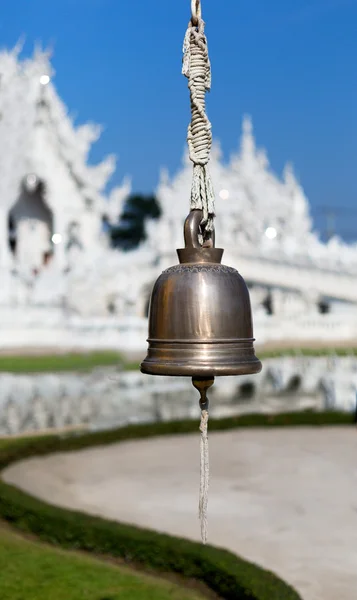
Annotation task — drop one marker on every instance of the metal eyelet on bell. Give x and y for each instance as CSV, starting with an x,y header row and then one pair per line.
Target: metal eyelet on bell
x,y
200,321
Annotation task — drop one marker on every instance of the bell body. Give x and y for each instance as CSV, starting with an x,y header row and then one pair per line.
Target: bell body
x,y
200,321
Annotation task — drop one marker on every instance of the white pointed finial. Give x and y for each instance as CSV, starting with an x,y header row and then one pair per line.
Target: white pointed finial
x,y
247,125
248,142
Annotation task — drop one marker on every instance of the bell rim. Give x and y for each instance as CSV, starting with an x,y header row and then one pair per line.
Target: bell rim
x,y
249,367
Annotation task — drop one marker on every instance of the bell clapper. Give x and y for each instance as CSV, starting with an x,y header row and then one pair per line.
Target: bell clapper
x,y
202,384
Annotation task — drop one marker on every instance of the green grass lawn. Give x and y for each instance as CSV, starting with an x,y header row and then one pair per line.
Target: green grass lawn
x,y
33,571
60,362
308,352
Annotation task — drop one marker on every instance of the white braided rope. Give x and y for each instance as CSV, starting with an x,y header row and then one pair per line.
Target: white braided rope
x,y
204,480
197,68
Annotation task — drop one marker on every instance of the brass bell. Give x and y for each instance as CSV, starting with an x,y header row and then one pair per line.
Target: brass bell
x,y
200,321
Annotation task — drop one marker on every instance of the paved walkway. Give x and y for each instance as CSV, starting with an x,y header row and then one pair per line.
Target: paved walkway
x,y
286,499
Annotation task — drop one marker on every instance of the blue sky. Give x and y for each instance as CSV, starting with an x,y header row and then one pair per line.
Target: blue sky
x,y
291,65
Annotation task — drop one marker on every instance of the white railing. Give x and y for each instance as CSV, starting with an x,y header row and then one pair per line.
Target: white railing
x,y
107,398
48,330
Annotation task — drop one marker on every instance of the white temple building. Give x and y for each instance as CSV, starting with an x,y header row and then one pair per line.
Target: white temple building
x,y
62,285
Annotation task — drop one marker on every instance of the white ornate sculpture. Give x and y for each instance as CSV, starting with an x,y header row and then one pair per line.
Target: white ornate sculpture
x,y
53,198
265,227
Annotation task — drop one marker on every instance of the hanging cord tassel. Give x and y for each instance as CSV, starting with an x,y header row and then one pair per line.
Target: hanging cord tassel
x,y
202,385
204,483
197,68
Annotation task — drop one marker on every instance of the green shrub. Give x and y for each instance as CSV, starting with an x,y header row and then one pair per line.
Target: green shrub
x,y
12,450
229,576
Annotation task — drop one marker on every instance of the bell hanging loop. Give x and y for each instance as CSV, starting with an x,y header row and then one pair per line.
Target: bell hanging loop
x,y
196,11
192,232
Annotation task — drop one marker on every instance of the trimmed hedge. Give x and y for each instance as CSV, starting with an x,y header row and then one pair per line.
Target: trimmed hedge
x,y
227,575
17,449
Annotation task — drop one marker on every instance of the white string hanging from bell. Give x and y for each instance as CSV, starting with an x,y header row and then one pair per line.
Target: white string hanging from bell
x,y
202,385
204,474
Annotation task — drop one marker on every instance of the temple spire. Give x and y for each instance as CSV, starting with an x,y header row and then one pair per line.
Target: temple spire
x,y
248,148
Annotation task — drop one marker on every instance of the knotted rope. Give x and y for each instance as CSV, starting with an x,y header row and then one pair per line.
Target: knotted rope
x,y
197,68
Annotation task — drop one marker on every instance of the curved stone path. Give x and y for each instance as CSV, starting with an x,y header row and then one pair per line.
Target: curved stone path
x,y
284,498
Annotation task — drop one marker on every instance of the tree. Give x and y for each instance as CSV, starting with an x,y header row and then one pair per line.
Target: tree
x,y
130,231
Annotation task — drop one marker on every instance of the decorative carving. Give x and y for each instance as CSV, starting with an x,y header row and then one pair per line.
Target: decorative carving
x,y
200,269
